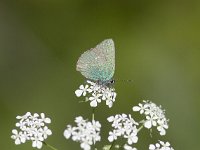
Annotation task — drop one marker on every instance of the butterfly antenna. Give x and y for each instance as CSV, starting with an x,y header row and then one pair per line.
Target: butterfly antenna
x,y
124,80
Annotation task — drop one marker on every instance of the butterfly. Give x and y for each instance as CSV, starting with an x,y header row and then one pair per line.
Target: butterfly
x,y
98,64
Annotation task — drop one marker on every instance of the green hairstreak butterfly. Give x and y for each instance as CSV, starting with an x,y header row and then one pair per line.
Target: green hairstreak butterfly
x,y
98,64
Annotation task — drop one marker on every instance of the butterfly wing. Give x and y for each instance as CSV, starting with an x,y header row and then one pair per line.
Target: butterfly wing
x,y
98,63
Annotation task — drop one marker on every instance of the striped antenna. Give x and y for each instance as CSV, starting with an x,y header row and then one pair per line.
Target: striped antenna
x,y
123,80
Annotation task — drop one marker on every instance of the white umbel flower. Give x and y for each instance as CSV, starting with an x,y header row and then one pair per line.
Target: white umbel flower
x,y
155,116
96,93
33,128
124,126
86,133
160,146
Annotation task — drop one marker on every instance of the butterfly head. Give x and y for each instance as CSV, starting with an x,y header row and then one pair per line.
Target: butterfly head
x,y
108,83
112,81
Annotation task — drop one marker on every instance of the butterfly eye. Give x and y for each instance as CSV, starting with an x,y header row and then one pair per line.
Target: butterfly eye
x,y
112,81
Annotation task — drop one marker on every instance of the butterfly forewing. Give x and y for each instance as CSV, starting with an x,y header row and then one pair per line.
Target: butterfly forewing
x,y
98,63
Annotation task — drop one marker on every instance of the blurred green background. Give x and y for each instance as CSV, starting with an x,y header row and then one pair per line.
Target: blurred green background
x,y
157,46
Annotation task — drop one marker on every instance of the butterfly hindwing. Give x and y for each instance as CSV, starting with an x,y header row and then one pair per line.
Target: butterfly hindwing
x,y
98,63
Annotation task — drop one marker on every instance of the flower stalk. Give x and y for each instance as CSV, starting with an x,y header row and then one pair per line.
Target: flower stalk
x,y
140,128
48,145
93,111
113,143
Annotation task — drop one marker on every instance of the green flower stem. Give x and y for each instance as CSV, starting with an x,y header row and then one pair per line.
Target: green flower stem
x,y
140,128
112,145
93,111
51,147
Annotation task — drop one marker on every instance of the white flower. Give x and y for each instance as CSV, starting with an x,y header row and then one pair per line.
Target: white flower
x,y
165,146
45,132
132,138
37,141
127,147
82,90
17,136
115,118
125,126
96,125
24,116
97,92
95,99
85,146
141,108
109,103
80,121
154,147
155,116
33,128
68,132
113,135
86,133
162,126
160,146
151,121
95,87
21,125
105,93
43,119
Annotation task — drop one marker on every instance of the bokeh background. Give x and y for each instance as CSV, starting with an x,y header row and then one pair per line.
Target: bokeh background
x,y
157,46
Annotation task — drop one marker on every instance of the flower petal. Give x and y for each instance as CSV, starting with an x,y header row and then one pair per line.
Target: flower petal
x,y
47,120
17,141
93,103
151,147
136,108
14,131
39,144
148,124
78,93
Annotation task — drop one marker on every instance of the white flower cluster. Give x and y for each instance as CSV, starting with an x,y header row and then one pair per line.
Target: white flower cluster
x,y
97,93
125,126
32,127
87,133
160,146
155,116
